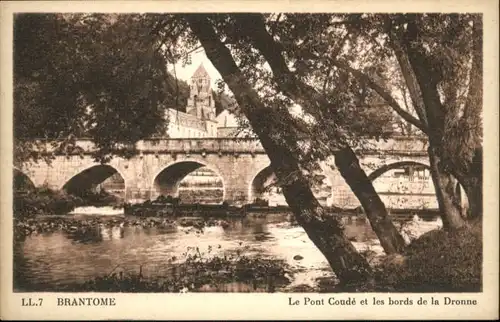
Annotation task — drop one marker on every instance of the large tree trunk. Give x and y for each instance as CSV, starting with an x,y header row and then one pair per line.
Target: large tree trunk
x,y
323,229
442,157
474,191
458,198
348,166
444,186
390,239
472,181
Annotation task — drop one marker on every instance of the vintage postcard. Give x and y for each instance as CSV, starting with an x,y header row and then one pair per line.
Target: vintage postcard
x,y
253,160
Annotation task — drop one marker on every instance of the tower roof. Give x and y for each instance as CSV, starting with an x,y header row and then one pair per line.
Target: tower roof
x,y
200,72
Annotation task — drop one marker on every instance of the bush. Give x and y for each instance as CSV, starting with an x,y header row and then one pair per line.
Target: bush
x,y
196,274
43,201
438,261
101,198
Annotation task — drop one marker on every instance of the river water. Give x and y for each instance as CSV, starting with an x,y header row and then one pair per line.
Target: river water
x,y
57,258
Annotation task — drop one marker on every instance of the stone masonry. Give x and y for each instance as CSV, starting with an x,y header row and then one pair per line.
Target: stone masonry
x,y
237,162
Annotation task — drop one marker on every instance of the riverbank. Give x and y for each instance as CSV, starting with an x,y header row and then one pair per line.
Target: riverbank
x,y
457,256
197,273
428,265
89,225
213,268
168,206
266,241
44,201
437,261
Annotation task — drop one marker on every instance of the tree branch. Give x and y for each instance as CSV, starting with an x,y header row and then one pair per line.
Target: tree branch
x,y
305,95
383,93
411,82
275,24
473,103
427,80
290,85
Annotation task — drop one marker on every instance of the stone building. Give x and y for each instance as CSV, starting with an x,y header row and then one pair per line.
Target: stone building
x,y
228,125
199,120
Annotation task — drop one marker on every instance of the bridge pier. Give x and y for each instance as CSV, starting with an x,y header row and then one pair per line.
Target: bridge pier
x,y
238,163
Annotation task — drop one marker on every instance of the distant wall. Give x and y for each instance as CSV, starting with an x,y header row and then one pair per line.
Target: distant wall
x,y
227,132
183,125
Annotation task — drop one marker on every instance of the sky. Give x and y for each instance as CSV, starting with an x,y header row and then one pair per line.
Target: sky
x,y
198,57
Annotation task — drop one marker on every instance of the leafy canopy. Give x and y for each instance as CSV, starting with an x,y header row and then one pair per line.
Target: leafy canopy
x,y
90,75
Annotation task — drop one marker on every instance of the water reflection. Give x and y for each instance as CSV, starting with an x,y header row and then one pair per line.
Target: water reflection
x,y
88,237
237,287
77,255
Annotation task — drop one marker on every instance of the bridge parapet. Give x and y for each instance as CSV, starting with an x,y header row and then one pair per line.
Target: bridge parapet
x,y
400,144
397,145
200,145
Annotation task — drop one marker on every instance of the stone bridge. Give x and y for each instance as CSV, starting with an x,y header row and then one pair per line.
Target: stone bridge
x,y
242,165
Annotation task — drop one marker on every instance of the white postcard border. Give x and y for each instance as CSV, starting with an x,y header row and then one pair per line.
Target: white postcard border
x,y
258,306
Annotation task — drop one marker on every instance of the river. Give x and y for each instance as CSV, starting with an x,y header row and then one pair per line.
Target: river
x,y
46,260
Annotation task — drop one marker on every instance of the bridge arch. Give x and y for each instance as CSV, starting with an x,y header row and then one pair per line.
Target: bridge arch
x,y
260,181
96,174
167,180
266,176
396,165
409,189
21,181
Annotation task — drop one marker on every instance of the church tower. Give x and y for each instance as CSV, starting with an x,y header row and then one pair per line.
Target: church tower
x,y
201,102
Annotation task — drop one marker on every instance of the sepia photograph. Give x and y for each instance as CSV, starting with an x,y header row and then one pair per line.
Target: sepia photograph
x,y
311,151
247,152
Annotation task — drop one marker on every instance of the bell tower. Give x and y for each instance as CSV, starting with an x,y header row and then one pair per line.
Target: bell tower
x,y
201,102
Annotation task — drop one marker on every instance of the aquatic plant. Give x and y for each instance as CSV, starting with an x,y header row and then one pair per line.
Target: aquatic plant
x,y
197,272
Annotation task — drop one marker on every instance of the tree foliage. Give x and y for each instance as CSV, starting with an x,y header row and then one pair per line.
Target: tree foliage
x,y
426,67
90,75
439,57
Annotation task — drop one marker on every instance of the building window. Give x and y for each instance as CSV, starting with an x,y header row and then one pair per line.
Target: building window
x,y
412,173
